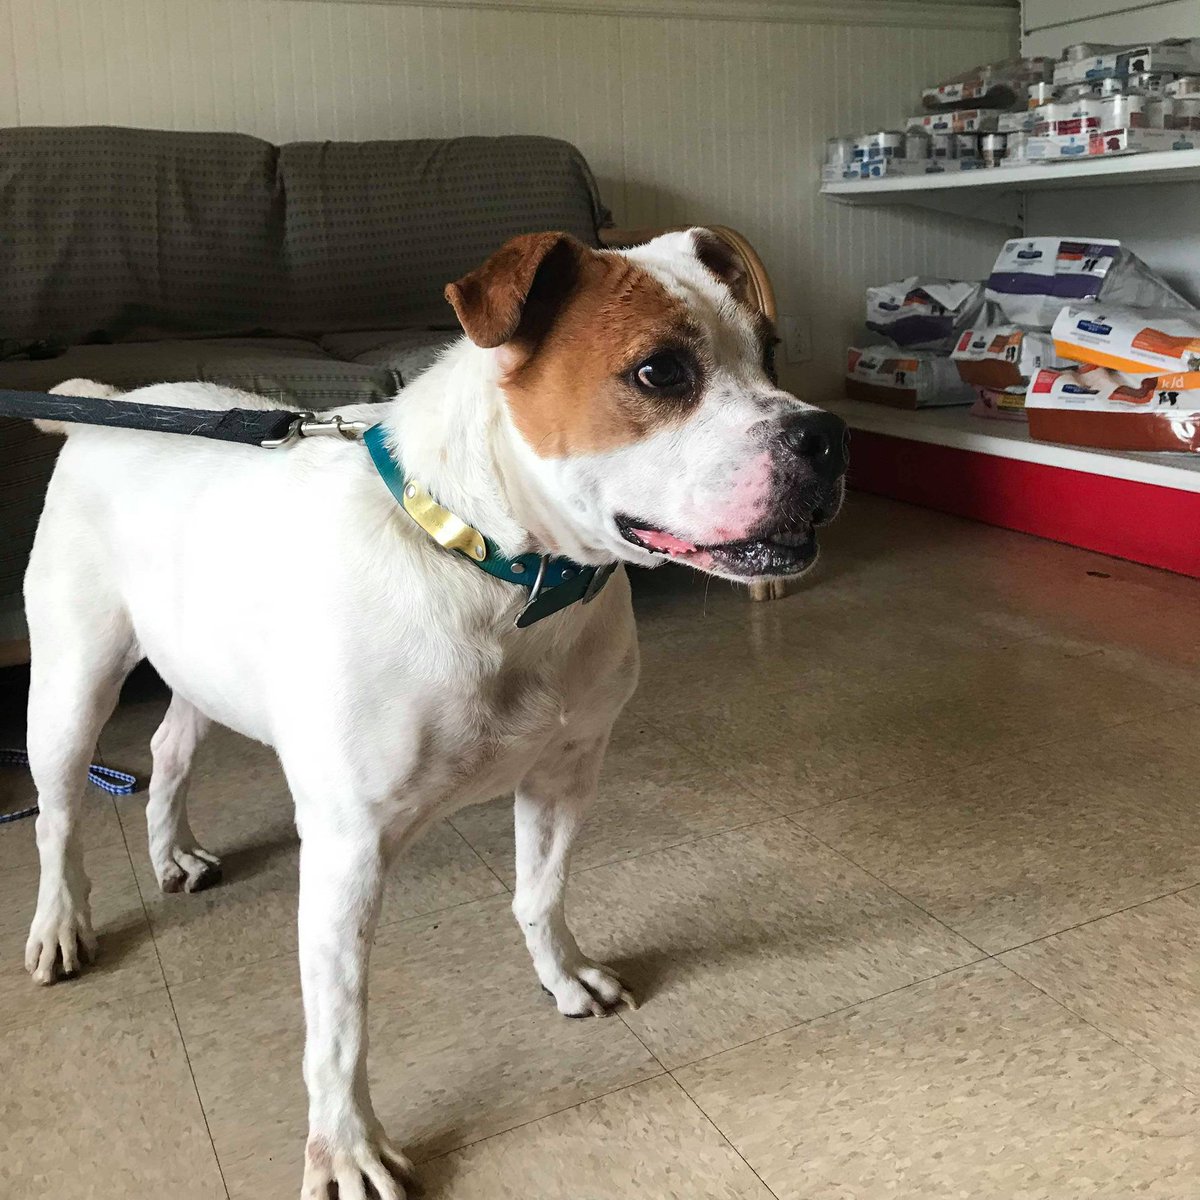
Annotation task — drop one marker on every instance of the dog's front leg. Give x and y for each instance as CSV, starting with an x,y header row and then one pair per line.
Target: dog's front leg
x,y
341,885
550,804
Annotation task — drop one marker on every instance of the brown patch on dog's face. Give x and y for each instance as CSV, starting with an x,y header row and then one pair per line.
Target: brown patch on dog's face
x,y
598,354
576,387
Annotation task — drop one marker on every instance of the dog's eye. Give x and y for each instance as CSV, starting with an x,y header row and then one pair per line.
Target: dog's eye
x,y
662,371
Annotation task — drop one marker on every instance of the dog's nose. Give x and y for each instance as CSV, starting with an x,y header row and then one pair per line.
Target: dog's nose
x,y
822,440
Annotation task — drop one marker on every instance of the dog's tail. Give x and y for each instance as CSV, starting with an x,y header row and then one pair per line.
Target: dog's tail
x,y
76,387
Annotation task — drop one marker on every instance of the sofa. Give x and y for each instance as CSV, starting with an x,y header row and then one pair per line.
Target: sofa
x,y
311,272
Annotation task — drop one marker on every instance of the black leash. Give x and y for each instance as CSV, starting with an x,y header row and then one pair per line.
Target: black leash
x,y
251,427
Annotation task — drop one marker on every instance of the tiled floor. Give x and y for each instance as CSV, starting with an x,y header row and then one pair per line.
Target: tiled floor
x,y
905,868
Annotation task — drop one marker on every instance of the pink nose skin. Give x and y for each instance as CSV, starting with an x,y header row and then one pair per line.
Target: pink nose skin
x,y
741,508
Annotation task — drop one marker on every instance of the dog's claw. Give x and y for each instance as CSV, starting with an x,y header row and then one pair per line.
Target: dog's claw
x,y
590,990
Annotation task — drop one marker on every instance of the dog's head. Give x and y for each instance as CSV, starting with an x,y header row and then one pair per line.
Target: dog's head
x,y
641,384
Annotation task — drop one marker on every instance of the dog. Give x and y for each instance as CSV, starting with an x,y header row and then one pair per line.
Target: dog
x,y
609,407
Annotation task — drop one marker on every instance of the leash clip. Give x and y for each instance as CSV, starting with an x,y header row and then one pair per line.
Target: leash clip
x,y
307,424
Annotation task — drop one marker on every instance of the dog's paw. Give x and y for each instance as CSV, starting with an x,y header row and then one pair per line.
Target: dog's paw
x,y
188,870
61,940
589,990
354,1168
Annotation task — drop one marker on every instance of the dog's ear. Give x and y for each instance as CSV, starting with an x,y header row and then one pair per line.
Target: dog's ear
x,y
494,300
721,259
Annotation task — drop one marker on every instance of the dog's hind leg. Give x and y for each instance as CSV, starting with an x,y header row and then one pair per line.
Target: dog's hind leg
x,y
180,863
550,804
75,679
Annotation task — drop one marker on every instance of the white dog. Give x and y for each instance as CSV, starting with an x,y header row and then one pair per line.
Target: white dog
x,y
606,407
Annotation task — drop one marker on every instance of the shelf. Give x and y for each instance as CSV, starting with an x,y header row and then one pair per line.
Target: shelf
x,y
957,428
995,194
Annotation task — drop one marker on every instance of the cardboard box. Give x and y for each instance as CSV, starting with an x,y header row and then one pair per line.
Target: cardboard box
x,y
903,378
999,404
1141,141
1004,356
966,120
1174,56
1138,341
1090,406
1058,146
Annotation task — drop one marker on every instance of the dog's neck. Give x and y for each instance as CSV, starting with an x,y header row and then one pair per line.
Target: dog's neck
x,y
453,434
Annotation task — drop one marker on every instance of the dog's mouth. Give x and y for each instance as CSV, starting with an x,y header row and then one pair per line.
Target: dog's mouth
x,y
786,551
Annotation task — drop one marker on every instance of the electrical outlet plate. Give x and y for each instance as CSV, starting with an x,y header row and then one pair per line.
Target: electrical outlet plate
x,y
797,338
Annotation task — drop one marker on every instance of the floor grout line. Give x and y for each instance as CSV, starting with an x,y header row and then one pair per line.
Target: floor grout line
x,y
663,1074
175,1017
488,866
1158,1070
723,1135
833,1012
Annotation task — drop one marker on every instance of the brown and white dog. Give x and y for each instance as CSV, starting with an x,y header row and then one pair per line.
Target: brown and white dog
x,y
606,406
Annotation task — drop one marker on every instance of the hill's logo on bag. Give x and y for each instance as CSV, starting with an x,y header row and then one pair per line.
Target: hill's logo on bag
x,y
1031,253
1089,326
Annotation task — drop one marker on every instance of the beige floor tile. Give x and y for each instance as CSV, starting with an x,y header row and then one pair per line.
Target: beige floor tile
x,y
1135,975
645,1141
251,914
973,1085
749,932
99,825
463,1044
1039,841
834,735
127,964
101,1104
241,810
651,796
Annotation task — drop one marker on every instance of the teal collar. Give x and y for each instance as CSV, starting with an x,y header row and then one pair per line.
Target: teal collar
x,y
553,583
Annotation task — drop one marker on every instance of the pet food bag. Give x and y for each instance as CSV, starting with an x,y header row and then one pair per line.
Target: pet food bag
x,y
1034,277
903,378
1138,341
1002,404
1004,356
923,314
1092,406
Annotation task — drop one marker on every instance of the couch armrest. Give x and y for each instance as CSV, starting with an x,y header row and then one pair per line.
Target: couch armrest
x,y
757,279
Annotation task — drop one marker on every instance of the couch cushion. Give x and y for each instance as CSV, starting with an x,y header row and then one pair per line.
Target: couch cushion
x,y
375,230
406,351
138,233
288,369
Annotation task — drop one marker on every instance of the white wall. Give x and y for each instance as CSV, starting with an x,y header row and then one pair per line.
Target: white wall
x,y
1051,24
686,117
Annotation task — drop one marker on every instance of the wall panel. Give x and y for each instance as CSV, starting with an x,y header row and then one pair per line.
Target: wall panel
x,y
682,118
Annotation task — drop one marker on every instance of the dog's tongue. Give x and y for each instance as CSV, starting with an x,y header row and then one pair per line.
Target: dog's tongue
x,y
666,543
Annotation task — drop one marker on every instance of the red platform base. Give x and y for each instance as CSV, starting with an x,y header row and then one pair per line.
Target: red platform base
x,y
1158,526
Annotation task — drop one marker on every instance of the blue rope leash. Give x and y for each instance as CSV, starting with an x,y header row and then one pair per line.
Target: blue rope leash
x,y
115,783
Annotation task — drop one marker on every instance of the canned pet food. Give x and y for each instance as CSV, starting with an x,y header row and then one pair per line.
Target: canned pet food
x,y
966,145
862,147
917,144
1159,112
1040,93
1113,86
1185,85
839,151
1074,116
942,145
1123,112
993,148
887,143
1015,150
1187,112
1148,83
